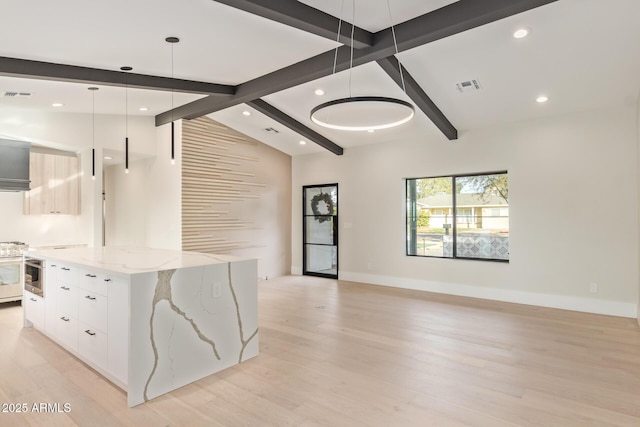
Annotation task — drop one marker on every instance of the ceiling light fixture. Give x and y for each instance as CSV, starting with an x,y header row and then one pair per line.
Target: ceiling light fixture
x,y
144,109
246,113
541,99
303,142
319,92
93,90
172,41
57,104
126,120
521,33
107,157
363,113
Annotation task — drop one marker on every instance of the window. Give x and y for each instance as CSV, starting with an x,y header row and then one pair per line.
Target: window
x,y
461,216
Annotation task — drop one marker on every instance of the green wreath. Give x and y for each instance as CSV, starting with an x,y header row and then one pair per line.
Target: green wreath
x,y
316,200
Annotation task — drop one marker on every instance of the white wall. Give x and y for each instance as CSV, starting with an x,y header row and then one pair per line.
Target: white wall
x,y
638,135
573,211
143,207
69,132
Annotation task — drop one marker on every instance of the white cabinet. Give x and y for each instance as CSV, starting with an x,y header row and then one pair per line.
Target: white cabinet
x,y
92,314
55,185
34,309
64,286
51,301
118,328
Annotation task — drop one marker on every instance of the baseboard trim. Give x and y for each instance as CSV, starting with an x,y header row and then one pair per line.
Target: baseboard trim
x,y
587,305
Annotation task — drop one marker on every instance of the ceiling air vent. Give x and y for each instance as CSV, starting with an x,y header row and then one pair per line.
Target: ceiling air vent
x,y
16,94
468,86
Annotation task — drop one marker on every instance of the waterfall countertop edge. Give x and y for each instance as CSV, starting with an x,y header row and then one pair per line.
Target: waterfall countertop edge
x,y
132,260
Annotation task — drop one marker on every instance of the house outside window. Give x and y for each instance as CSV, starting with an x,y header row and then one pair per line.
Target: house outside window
x,y
461,216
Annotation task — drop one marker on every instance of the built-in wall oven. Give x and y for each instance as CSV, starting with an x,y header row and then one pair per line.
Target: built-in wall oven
x,y
11,271
34,276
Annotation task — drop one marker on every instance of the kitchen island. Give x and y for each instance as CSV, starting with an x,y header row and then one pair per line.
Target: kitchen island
x,y
149,320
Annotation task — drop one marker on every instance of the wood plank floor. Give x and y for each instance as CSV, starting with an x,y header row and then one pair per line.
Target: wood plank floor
x,y
345,354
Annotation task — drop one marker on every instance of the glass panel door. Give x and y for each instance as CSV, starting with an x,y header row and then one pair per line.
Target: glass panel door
x,y
320,230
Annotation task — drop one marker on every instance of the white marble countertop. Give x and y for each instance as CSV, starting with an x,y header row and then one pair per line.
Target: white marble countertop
x,y
129,260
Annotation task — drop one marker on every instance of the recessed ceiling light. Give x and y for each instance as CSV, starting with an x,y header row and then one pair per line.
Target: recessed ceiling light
x,y
144,109
303,142
246,113
57,104
371,131
107,158
541,99
319,92
521,33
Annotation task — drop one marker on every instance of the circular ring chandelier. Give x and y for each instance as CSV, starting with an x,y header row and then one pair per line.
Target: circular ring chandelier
x,y
362,113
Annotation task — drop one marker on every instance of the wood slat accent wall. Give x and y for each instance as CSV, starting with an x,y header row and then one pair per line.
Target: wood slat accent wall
x,y
220,189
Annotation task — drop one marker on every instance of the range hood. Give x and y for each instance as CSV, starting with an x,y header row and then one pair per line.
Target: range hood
x,y
14,165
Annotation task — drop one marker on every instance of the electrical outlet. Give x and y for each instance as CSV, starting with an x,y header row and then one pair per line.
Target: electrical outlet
x,y
593,288
217,289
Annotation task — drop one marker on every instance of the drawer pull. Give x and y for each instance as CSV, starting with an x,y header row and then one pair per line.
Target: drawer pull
x,y
66,319
90,275
107,280
65,269
88,331
53,265
90,297
64,288
33,299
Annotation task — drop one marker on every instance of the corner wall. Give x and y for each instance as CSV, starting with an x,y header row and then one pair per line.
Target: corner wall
x,y
573,211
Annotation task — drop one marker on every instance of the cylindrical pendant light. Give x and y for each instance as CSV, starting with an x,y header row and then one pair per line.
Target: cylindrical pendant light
x,y
93,90
126,119
172,41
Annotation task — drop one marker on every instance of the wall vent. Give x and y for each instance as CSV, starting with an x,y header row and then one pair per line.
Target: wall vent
x,y
12,94
468,86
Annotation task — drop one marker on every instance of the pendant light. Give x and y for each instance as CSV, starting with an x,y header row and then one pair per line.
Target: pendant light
x,y
126,120
172,41
363,113
93,90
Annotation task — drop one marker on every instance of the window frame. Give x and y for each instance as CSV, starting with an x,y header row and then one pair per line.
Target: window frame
x,y
454,219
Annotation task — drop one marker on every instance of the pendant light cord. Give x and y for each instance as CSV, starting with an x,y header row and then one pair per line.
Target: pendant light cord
x,y
395,44
172,84
335,56
353,27
93,119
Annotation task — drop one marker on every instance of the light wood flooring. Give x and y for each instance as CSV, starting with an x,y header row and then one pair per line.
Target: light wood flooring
x,y
344,354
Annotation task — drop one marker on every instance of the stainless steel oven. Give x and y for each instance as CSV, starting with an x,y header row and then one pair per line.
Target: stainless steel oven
x,y
10,279
11,271
34,276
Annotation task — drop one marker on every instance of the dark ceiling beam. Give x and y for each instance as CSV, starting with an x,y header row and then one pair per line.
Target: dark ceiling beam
x,y
392,67
444,22
288,121
298,15
24,68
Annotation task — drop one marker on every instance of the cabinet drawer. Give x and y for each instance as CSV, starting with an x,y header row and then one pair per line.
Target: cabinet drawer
x,y
92,345
34,309
67,274
94,282
67,331
67,299
92,309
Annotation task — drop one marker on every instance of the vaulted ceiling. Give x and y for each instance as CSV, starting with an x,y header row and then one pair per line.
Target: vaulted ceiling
x,y
268,58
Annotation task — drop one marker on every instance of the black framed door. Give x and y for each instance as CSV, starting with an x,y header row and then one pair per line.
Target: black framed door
x,y
320,230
